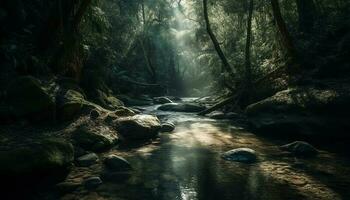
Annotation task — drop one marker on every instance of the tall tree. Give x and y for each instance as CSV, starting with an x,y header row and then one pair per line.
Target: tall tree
x,y
284,33
145,42
306,13
226,65
248,70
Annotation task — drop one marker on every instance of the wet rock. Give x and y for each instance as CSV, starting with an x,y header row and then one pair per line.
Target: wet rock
x,y
116,163
217,115
222,115
95,138
181,107
161,100
138,127
167,127
92,182
300,148
87,160
244,155
27,98
232,115
50,159
66,187
94,114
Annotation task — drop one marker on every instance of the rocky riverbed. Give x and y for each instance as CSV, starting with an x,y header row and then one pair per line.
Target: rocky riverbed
x,y
187,164
190,162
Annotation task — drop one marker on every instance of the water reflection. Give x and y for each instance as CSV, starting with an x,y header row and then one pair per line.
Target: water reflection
x,y
186,164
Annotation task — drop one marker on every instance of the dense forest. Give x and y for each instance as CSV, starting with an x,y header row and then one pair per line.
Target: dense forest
x,y
175,99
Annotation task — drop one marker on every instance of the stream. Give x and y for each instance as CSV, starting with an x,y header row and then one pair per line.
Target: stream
x,y
186,164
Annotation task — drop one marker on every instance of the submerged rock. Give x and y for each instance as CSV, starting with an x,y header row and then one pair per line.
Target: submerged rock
x,y
161,100
28,99
138,127
95,138
244,155
181,107
116,163
92,182
167,127
50,159
87,160
300,148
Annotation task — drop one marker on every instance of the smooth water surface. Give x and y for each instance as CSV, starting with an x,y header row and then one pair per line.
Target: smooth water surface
x,y
186,164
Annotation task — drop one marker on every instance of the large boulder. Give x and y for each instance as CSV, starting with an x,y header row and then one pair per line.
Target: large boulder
x,y
138,127
49,159
302,110
27,98
298,100
94,137
181,107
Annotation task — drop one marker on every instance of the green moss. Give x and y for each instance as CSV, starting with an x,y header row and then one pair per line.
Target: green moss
x,y
94,139
49,155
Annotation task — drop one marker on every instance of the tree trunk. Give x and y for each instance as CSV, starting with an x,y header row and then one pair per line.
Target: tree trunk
x,y
146,48
306,13
225,63
65,52
285,36
248,70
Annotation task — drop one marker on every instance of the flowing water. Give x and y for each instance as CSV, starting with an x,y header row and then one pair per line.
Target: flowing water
x,y
186,164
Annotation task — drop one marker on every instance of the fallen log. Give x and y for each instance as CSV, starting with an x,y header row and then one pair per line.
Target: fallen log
x,y
240,91
218,105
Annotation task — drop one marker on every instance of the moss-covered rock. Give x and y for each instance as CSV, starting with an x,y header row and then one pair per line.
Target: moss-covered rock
x,y
138,127
50,158
69,104
98,92
296,100
304,110
28,99
95,138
